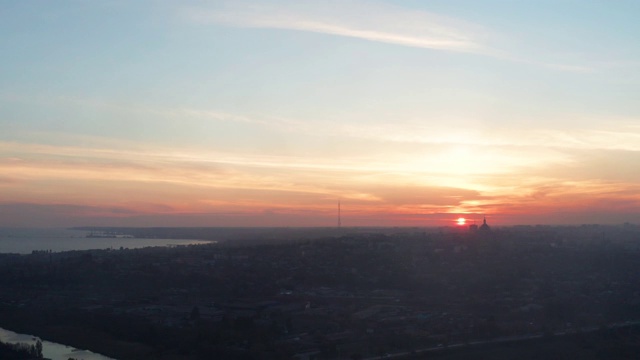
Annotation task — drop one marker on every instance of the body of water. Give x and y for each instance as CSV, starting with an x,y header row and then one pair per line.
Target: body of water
x,y
50,350
24,241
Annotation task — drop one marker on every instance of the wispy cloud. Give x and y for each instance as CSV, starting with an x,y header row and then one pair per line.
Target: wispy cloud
x,y
364,20
587,132
370,21
116,183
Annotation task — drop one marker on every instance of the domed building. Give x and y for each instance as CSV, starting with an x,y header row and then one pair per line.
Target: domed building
x,y
484,227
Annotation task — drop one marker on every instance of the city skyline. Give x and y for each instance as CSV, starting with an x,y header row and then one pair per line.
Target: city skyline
x,y
247,113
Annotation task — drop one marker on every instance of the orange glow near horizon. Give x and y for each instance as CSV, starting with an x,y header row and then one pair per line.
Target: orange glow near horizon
x,y
83,185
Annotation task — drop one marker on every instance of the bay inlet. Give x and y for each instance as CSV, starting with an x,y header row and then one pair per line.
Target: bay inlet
x,y
25,241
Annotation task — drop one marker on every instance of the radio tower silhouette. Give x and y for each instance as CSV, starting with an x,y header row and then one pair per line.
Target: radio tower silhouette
x,y
339,215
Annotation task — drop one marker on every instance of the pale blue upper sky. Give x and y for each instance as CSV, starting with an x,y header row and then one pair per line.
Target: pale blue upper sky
x,y
426,90
156,55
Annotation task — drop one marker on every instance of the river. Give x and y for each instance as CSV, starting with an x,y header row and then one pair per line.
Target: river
x,y
51,350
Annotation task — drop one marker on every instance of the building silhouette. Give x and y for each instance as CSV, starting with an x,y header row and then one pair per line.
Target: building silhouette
x,y
484,228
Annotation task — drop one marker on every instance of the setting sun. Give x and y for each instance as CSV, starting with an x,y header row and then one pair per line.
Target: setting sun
x,y
461,221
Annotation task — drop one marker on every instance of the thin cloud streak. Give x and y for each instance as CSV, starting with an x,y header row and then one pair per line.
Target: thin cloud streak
x,y
382,23
617,134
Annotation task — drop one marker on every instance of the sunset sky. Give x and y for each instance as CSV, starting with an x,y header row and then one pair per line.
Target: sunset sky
x,y
267,113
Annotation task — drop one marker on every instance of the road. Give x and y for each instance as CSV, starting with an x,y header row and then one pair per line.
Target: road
x,y
504,339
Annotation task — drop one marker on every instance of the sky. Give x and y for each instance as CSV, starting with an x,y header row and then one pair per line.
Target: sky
x,y
269,113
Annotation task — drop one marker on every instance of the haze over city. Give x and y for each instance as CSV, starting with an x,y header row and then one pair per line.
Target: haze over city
x,y
248,113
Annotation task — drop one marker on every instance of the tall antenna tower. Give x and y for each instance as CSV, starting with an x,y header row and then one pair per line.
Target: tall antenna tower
x,y
339,215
